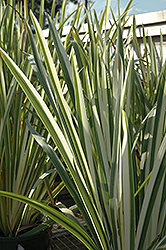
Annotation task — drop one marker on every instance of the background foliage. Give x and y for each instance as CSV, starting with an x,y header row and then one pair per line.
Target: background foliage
x,y
49,6
22,161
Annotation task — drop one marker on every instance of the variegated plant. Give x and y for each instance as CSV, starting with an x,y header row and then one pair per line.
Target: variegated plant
x,y
22,160
110,150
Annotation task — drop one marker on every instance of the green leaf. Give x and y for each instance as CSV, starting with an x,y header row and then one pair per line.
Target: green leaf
x,y
63,57
150,196
161,244
57,216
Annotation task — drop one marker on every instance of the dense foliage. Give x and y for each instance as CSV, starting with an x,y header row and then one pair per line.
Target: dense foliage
x,y
22,161
103,105
49,6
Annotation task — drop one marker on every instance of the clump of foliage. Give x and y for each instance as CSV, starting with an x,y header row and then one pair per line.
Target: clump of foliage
x,y
22,161
108,131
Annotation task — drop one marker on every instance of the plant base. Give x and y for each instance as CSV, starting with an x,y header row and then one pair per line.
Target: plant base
x,y
39,241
